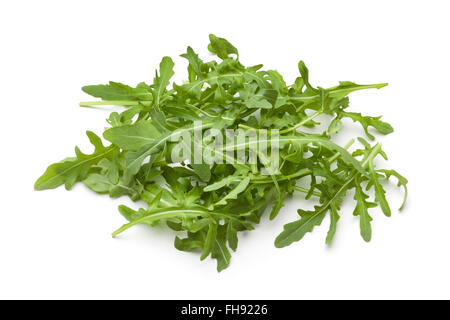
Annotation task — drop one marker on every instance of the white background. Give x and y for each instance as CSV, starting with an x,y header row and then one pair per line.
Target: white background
x,y
57,244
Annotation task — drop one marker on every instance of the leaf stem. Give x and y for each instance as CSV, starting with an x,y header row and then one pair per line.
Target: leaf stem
x,y
243,126
264,179
298,125
376,149
304,190
336,90
125,103
337,154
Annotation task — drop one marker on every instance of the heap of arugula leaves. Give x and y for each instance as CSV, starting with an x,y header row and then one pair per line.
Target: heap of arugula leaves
x,y
209,204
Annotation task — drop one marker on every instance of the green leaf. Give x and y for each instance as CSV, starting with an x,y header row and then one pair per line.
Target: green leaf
x,y
71,170
258,99
221,183
234,192
232,236
110,168
188,244
402,182
183,113
134,160
162,80
334,217
279,203
346,87
276,80
173,213
362,210
98,183
195,63
305,74
380,193
151,191
220,251
366,122
131,214
133,137
221,47
296,230
203,171
334,126
210,240
126,117
345,156
102,184
199,224
190,198
117,91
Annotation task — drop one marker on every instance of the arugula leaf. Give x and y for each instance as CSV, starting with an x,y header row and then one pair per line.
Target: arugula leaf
x,y
134,136
221,47
162,80
346,87
305,74
188,244
203,171
380,193
71,170
362,210
195,64
380,126
118,91
210,240
241,187
334,217
232,237
279,203
402,182
295,231
260,99
220,251
221,183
